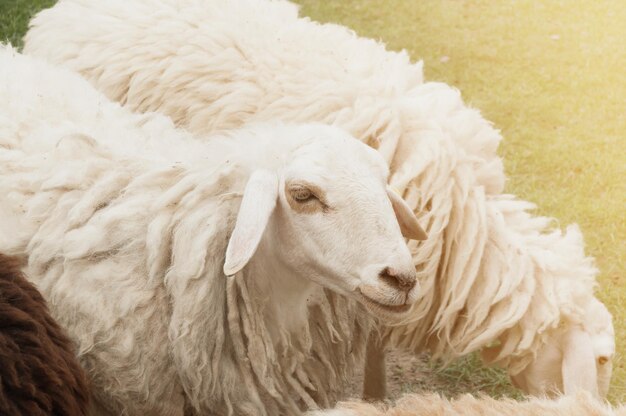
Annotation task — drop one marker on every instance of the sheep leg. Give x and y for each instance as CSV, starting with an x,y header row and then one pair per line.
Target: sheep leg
x,y
374,374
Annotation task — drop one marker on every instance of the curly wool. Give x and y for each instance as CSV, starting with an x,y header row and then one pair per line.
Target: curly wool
x,y
492,274
125,221
467,405
490,271
40,374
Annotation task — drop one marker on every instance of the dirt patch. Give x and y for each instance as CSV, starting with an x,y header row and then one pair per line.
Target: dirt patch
x,y
408,373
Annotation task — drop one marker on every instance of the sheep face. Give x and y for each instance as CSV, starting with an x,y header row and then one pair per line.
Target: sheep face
x,y
602,333
604,363
328,216
574,358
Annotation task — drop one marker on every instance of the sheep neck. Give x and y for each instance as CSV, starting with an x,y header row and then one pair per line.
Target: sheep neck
x,y
281,292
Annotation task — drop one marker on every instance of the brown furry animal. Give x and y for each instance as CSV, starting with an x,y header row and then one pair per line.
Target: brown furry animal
x,y
39,372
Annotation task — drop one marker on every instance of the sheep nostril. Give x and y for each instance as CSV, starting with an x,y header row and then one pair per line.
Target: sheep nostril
x,y
400,281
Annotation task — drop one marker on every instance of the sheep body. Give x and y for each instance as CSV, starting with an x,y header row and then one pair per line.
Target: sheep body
x,y
125,221
226,65
494,276
467,405
40,374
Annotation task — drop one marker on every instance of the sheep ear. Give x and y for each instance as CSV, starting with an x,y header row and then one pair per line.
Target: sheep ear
x,y
408,222
579,363
258,202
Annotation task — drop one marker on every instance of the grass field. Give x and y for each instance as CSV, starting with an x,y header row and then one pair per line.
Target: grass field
x,y
14,17
551,75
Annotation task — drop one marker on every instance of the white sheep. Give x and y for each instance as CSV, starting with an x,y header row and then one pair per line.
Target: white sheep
x,y
581,404
494,277
561,363
184,268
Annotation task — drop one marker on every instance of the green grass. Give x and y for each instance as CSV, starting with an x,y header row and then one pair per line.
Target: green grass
x,y
550,74
409,374
469,375
14,17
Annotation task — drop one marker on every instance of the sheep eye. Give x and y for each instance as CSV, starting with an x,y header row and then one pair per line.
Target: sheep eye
x,y
302,195
603,360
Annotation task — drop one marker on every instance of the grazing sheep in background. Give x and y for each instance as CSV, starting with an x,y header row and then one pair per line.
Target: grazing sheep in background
x,y
39,373
493,275
512,294
561,362
434,405
183,268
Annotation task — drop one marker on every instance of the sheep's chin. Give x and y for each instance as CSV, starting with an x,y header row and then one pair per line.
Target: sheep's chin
x,y
384,312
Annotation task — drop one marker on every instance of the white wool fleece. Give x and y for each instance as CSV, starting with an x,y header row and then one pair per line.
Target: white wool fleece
x,y
493,276
126,220
580,404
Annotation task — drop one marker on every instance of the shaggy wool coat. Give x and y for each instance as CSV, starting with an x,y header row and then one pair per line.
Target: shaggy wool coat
x,y
39,371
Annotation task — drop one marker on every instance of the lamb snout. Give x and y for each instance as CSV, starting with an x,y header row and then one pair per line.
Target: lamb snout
x,y
390,289
402,280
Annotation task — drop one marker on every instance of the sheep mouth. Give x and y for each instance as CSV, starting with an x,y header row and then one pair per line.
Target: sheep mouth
x,y
381,307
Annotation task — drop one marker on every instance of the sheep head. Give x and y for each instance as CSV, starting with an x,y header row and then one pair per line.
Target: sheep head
x,y
327,215
602,335
578,357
